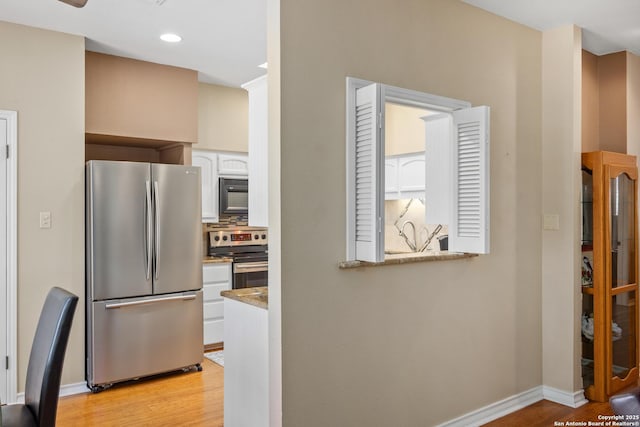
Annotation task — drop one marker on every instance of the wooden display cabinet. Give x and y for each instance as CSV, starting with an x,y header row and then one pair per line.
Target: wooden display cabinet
x,y
609,273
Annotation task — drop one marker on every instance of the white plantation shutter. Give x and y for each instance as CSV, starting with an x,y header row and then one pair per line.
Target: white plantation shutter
x,y
438,168
369,173
469,224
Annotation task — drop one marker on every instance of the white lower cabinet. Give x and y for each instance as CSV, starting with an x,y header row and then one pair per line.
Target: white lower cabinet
x,y
215,278
246,365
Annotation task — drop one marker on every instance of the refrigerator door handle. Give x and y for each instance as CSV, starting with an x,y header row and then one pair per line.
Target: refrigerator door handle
x,y
156,252
148,229
150,301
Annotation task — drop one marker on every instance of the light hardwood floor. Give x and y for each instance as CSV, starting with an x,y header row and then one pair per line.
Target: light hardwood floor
x,y
183,399
546,414
197,399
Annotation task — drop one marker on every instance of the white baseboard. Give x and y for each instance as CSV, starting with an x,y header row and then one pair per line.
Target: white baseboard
x,y
497,409
566,398
65,390
516,402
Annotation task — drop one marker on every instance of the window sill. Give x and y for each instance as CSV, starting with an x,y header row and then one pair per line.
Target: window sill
x,y
405,258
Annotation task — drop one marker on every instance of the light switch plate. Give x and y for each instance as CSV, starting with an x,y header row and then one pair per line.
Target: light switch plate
x,y
45,219
551,222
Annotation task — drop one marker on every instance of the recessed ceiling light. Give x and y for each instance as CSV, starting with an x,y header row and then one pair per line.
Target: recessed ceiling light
x,y
170,38
263,65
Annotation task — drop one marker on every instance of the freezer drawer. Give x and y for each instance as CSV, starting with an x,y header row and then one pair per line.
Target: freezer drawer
x,y
136,337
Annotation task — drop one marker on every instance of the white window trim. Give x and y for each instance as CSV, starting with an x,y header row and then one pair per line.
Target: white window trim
x,y
391,94
12,253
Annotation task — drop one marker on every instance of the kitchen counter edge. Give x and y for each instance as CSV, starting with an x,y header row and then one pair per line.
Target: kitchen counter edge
x,y
258,297
216,260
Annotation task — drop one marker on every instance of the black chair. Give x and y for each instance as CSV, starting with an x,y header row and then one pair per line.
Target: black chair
x,y
45,364
625,403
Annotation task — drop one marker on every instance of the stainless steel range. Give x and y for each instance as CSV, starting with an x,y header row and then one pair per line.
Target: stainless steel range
x,y
248,247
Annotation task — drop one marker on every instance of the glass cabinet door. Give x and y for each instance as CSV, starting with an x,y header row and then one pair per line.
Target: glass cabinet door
x,y
589,314
622,283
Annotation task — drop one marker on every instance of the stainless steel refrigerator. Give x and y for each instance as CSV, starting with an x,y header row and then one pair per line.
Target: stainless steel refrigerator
x,y
143,269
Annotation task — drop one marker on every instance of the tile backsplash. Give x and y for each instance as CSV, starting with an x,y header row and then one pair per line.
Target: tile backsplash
x,y
226,221
396,213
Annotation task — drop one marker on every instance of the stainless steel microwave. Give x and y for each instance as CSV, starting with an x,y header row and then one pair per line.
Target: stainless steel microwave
x,y
234,196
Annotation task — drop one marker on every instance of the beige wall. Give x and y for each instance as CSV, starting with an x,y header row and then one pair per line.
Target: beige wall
x,y
42,77
414,344
612,76
139,99
223,118
404,129
561,148
590,103
633,104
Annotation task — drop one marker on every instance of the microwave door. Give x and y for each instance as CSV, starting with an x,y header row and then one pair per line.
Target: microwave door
x,y
234,196
238,200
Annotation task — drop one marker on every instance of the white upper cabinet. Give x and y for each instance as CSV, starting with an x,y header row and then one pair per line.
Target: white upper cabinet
x,y
258,152
208,163
391,177
411,171
404,176
236,165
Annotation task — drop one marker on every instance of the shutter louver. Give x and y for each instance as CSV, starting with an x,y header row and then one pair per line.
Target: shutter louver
x,y
469,228
367,170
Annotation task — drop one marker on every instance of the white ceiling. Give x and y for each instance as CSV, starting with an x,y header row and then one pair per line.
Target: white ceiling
x,y
608,25
224,40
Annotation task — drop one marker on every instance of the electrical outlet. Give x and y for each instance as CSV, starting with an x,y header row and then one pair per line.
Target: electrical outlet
x,y
45,219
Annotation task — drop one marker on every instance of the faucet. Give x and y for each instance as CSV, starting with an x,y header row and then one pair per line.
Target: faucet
x,y
431,236
406,238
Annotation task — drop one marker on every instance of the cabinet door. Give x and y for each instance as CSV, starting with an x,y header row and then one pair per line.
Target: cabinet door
x,y
233,165
391,178
622,277
215,278
209,175
411,173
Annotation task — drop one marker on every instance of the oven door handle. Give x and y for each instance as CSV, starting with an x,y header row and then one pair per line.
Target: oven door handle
x,y
250,267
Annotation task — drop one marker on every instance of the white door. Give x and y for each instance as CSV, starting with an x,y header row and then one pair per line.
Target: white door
x,y
3,261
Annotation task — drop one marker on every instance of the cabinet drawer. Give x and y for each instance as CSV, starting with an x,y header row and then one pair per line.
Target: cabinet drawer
x,y
214,273
213,331
213,310
212,292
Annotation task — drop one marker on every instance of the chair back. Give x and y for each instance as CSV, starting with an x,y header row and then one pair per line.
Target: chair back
x,y
47,355
626,403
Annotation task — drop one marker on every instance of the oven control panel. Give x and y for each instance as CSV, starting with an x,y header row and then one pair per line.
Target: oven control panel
x,y
238,237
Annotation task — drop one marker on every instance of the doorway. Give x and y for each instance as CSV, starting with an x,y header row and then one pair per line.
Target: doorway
x,y
8,255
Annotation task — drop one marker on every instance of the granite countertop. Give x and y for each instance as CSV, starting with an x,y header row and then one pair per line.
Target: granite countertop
x,y
409,257
258,297
216,260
